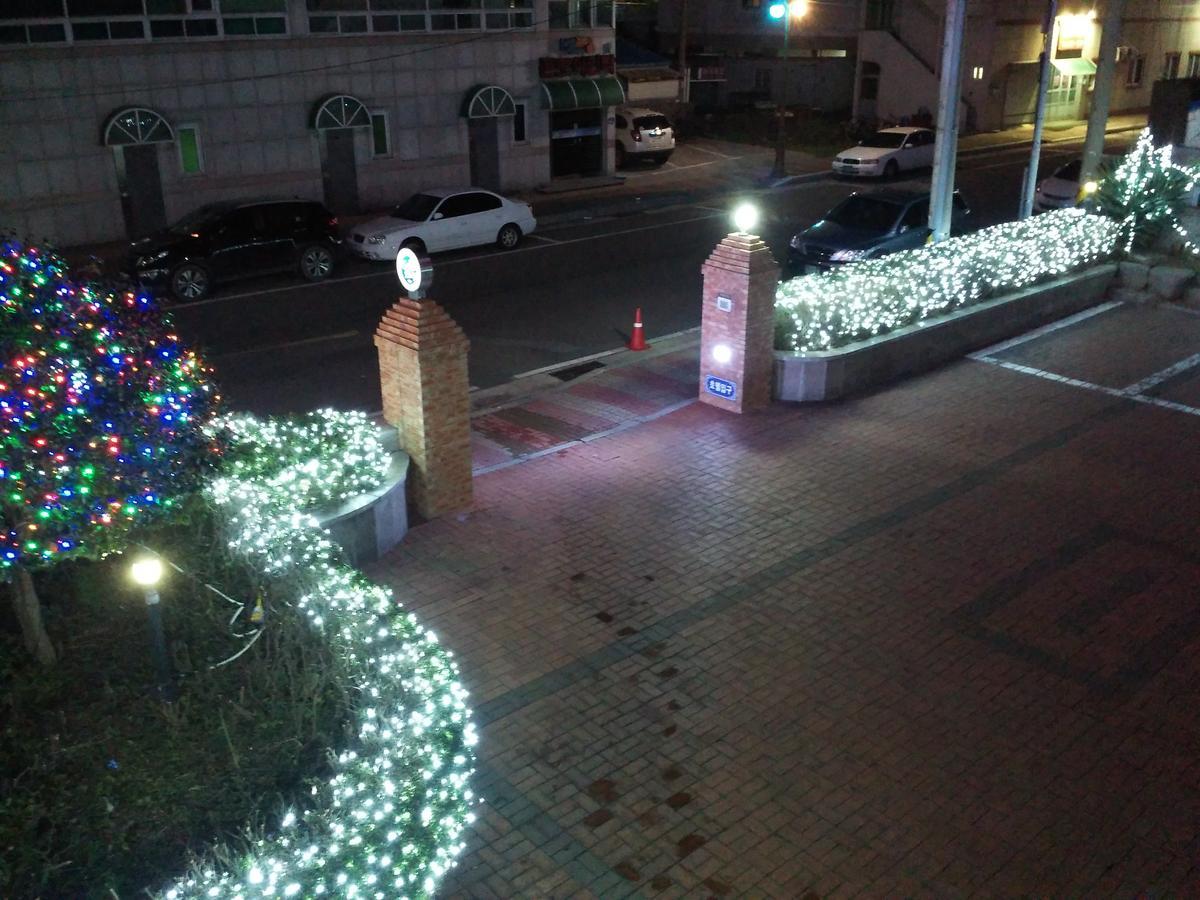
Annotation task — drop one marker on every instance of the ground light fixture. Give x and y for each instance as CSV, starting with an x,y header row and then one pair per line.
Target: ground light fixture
x,y
745,217
147,572
722,353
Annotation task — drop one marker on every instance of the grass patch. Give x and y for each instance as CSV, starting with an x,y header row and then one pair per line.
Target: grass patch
x,y
103,789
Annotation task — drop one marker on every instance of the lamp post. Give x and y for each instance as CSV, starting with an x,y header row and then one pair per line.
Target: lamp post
x,y
147,572
788,10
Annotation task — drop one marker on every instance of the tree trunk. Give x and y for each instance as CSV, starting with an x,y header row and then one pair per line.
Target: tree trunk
x,y
29,614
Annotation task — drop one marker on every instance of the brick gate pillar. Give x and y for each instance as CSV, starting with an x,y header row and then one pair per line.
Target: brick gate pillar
x,y
423,374
737,332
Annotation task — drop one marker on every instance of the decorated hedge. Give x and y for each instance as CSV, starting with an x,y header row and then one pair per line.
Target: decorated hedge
x,y
874,297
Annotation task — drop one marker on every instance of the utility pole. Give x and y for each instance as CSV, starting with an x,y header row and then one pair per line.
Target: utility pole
x,y
946,144
780,169
1093,145
1039,115
684,78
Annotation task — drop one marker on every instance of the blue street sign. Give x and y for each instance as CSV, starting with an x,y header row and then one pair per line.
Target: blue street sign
x,y
720,387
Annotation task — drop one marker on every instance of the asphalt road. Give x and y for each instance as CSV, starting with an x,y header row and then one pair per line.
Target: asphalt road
x,y
569,291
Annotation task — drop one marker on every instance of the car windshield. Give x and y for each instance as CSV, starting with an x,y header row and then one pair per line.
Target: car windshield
x,y
416,208
864,214
1070,172
198,218
890,139
649,122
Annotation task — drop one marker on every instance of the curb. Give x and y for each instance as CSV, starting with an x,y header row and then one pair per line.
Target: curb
x,y
974,151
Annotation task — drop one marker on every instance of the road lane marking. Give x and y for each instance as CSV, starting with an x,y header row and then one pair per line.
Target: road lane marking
x,y
287,345
712,152
538,237
1153,381
672,169
388,272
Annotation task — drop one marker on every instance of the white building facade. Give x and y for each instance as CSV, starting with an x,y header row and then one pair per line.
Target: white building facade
x,y
118,116
900,53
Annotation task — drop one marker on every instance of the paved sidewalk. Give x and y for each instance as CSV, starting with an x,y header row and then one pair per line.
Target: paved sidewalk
x,y
938,641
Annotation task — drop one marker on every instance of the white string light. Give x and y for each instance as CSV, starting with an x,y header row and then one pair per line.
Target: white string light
x,y
873,297
389,822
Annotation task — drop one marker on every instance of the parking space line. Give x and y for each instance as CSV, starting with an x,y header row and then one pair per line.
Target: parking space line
x,y
1153,381
287,345
711,152
1118,393
1044,330
538,237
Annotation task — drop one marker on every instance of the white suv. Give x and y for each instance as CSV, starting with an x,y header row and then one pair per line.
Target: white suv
x,y
643,134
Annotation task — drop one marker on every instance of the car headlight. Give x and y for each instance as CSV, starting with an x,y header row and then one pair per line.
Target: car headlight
x,y
377,239
152,258
848,255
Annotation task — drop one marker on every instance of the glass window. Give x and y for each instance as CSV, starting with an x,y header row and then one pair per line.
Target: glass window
x,y
385,23
323,24
93,8
380,138
89,31
126,31
559,14
603,13
166,7
441,22
1171,66
864,212
238,26
416,208
187,138
1137,65
519,123
166,28
45,34
412,23
916,215
12,34
1193,69
31,9
201,27
253,6
336,5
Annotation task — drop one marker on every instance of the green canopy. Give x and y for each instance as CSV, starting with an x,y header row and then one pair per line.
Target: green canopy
x,y
1074,66
583,93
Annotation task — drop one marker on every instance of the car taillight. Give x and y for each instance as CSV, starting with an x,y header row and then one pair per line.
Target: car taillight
x,y
333,222
636,134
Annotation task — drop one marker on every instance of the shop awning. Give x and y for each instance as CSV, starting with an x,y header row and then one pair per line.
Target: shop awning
x,y
583,93
1074,66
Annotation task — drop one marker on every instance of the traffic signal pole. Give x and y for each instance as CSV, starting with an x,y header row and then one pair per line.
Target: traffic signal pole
x,y
946,141
1029,187
1093,145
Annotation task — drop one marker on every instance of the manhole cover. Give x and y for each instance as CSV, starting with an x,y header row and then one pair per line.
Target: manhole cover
x,y
573,372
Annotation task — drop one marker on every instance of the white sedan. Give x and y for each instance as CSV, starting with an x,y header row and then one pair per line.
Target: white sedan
x,y
443,220
887,152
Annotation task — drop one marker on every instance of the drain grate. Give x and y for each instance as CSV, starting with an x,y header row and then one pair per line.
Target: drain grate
x,y
572,372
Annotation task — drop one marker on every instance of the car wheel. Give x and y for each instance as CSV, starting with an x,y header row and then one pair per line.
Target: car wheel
x,y
620,157
316,262
509,237
190,282
415,245
890,170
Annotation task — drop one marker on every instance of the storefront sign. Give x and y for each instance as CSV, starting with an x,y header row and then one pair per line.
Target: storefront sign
x,y
415,273
720,387
724,304
576,45
574,66
560,133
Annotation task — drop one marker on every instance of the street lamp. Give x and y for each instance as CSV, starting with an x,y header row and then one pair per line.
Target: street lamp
x,y
792,9
745,217
146,571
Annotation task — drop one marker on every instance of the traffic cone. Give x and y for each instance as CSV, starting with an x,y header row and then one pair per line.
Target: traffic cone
x,y
637,340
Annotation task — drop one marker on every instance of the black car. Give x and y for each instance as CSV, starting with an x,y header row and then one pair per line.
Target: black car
x,y
226,241
864,226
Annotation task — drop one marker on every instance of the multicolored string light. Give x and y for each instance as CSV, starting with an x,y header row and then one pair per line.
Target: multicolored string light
x,y
101,410
873,297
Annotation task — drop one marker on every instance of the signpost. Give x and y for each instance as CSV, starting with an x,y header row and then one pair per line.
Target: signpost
x,y
415,273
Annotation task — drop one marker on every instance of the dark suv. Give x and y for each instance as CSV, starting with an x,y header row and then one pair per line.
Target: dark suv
x,y
226,241
864,226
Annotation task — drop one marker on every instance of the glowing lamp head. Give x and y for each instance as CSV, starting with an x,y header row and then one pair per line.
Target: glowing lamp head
x,y
1089,188
745,217
777,10
796,9
146,571
722,353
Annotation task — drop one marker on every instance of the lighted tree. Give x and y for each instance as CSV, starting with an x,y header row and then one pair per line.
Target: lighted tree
x,y
1144,193
101,415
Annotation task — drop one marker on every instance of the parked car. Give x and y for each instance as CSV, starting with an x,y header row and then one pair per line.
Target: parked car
x,y
887,152
864,226
226,241
643,134
443,220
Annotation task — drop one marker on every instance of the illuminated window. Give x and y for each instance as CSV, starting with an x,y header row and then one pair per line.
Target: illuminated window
x,y
187,139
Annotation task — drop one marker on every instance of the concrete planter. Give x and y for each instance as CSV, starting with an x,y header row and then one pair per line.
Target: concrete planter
x,y
832,374
369,525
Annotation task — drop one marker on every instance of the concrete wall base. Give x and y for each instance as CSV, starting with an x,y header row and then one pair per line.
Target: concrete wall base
x,y
367,526
832,374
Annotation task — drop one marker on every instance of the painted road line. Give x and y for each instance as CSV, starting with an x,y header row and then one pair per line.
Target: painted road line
x,y
303,342
711,152
674,169
390,273
1044,330
538,237
1088,386
1153,381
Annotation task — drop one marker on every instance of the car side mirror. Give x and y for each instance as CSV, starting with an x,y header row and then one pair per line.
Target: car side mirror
x,y
437,216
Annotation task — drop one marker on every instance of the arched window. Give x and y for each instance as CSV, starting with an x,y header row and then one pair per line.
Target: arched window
x,y
340,111
488,101
136,125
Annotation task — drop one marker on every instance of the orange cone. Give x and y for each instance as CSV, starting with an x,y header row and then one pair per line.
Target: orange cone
x,y
637,340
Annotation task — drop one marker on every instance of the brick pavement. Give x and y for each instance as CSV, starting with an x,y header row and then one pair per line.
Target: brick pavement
x,y
936,641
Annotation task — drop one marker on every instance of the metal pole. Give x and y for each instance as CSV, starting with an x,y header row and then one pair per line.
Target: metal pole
x,y
780,137
946,143
158,645
1093,145
684,78
1039,115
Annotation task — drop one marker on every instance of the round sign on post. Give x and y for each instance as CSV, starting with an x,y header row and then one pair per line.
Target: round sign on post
x,y
415,272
